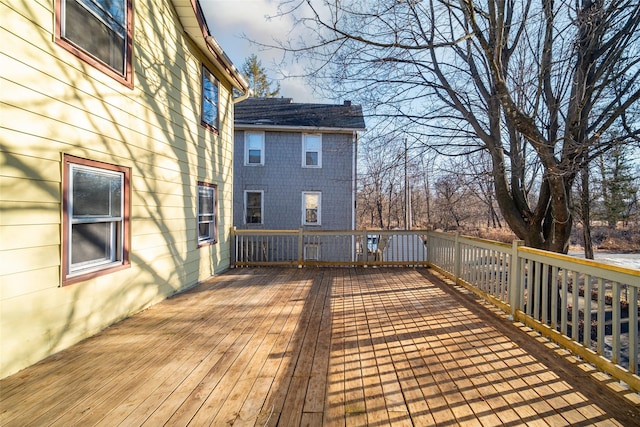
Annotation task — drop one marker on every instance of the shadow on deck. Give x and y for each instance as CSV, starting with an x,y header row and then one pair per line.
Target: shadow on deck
x,y
314,346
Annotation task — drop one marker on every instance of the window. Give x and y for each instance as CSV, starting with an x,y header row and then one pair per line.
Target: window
x,y
207,230
311,203
209,100
253,207
254,148
95,219
311,151
99,32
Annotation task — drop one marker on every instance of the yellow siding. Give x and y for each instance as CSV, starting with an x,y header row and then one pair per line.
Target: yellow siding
x,y
52,104
38,279
28,236
20,213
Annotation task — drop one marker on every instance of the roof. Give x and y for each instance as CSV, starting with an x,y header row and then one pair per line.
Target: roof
x,y
284,113
195,26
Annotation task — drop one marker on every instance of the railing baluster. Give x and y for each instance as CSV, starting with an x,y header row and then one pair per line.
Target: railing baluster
x,y
527,301
478,266
575,307
474,263
494,273
615,318
601,317
587,311
633,329
471,263
464,263
554,297
486,270
564,313
235,254
536,289
502,257
544,294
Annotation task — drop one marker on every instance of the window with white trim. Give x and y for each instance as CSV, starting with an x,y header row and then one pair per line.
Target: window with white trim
x,y
207,220
311,208
210,92
253,148
311,150
98,32
253,207
95,218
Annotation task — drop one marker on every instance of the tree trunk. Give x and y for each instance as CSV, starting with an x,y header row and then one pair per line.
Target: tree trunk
x,y
586,214
380,212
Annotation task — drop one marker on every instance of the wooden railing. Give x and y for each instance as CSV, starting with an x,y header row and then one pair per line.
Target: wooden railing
x,y
587,307
329,248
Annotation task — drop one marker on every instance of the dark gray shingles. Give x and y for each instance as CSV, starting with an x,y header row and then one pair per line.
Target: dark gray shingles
x,y
284,112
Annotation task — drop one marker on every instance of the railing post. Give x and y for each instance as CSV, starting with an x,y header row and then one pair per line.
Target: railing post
x,y
233,248
428,248
456,256
300,247
514,278
365,248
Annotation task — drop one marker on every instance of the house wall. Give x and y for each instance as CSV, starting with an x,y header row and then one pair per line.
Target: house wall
x,y
283,179
51,104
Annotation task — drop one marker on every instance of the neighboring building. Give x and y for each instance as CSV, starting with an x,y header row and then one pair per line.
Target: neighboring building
x,y
295,164
116,138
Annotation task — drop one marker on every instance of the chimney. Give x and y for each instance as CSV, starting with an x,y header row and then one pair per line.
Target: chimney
x,y
347,103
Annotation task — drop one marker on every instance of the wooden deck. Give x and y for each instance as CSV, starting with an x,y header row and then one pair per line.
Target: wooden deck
x,y
313,347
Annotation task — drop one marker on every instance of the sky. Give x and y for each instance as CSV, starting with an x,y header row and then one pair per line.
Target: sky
x,y
233,23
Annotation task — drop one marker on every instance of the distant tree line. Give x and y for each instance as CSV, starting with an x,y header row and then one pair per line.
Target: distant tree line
x,y
456,193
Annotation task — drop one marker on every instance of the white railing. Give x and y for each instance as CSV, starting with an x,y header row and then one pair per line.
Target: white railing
x,y
588,307
331,248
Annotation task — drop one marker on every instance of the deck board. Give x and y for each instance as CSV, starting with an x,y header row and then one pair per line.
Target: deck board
x,y
313,346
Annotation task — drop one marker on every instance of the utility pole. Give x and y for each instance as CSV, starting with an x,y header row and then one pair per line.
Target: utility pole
x,y
407,190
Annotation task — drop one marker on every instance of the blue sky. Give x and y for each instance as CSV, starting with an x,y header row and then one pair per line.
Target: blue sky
x,y
232,22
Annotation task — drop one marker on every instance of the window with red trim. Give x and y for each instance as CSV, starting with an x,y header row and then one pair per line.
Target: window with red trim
x,y
95,218
209,99
207,218
99,32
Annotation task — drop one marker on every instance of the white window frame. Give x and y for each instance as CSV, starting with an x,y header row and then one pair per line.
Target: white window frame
x,y
209,218
305,136
247,137
304,207
246,193
118,228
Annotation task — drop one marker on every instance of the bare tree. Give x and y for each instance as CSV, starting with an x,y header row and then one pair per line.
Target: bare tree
x,y
454,202
585,211
378,184
477,171
529,83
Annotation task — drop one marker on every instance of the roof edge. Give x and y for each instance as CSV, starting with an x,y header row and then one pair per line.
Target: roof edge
x,y
243,126
195,26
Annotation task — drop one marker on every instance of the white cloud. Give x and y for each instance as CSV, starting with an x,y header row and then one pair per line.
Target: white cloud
x,y
233,23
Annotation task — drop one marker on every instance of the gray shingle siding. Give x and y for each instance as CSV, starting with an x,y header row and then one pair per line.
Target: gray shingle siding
x,y
283,179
